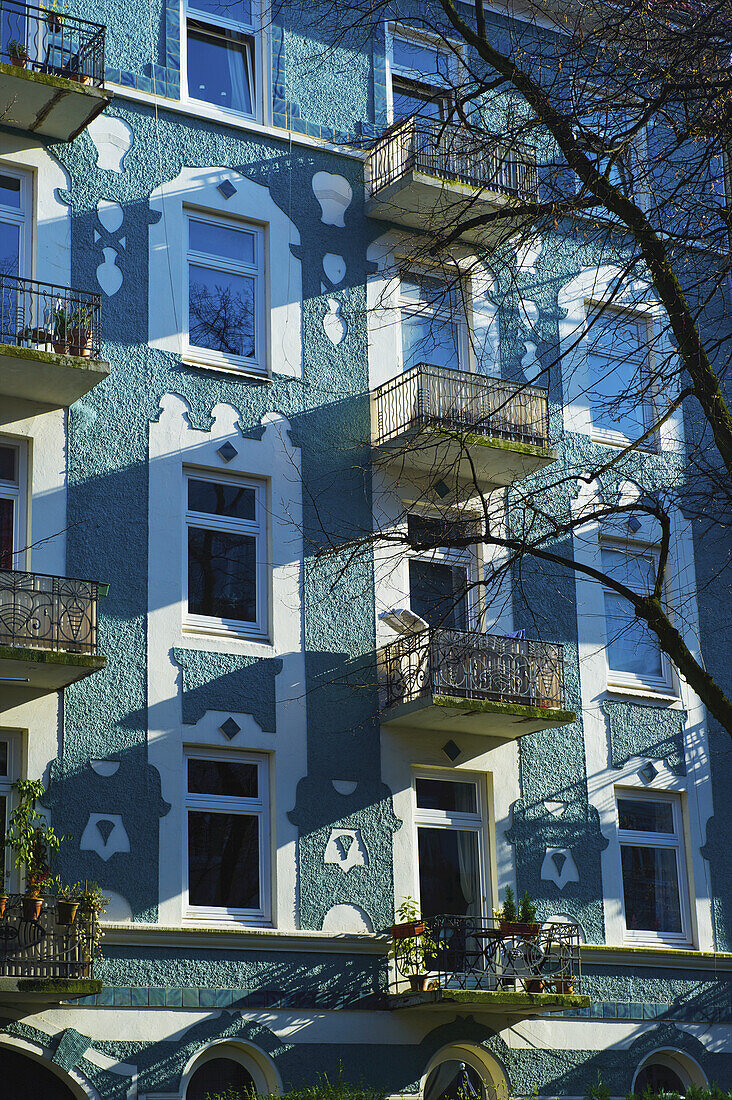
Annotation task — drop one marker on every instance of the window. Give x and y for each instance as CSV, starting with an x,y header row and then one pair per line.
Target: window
x,y
432,322
227,833
450,846
420,77
9,771
652,864
12,526
225,548
621,389
222,55
226,292
14,256
441,580
634,654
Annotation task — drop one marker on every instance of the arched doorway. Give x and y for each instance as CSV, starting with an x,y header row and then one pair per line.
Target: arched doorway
x,y
670,1071
23,1076
220,1076
463,1073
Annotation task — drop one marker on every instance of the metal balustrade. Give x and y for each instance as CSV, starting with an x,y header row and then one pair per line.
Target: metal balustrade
x,y
452,152
46,612
485,953
430,396
44,40
47,317
43,947
471,665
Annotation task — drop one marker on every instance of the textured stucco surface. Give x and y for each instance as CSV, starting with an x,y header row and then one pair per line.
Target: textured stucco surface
x,y
645,731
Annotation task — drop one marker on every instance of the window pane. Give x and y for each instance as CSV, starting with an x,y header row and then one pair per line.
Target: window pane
x,y
650,889
223,777
430,532
3,759
631,647
222,575
438,593
646,816
220,70
223,860
9,251
429,339
617,363
6,533
448,872
428,62
408,100
238,10
10,192
442,794
636,571
235,501
221,240
221,311
8,458
3,826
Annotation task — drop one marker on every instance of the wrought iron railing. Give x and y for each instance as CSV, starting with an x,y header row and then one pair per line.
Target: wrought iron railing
x,y
47,317
45,612
45,946
471,665
45,40
485,953
452,152
429,396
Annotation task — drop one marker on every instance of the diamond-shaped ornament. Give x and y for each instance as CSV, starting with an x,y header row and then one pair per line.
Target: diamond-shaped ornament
x,y
451,751
230,728
227,189
227,451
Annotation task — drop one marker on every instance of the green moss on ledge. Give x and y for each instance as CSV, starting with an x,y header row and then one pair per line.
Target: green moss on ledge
x,y
52,656
551,714
503,1001
61,987
469,439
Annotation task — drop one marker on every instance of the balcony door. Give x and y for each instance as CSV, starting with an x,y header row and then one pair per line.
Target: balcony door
x,y
441,579
12,506
450,819
14,256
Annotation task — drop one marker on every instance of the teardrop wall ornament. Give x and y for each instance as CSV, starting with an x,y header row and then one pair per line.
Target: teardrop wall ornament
x,y
334,267
110,215
334,325
334,194
109,275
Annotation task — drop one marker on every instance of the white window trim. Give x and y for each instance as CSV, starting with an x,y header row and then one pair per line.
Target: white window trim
x,y
641,317
253,30
477,822
209,624
258,807
423,38
468,557
258,270
17,492
664,684
675,843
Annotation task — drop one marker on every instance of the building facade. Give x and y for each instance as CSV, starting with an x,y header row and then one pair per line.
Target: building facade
x,y
207,425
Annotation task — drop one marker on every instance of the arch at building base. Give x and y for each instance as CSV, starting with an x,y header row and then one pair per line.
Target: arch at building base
x,y
25,1076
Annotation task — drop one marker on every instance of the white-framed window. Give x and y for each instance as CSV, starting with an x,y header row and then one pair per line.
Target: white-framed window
x,y
226,560
653,867
634,654
223,55
225,292
442,579
12,505
451,822
620,366
421,75
226,836
9,772
15,250
432,321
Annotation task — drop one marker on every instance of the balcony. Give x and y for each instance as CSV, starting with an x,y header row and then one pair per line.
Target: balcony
x,y
426,173
456,681
482,431
42,960
48,630
511,970
51,71
50,341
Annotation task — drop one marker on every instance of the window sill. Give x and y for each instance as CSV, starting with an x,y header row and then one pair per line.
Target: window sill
x,y
647,943
214,110
620,442
247,374
659,694
214,630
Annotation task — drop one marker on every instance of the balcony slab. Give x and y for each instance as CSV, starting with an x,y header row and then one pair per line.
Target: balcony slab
x,y
50,106
474,460
502,1003
451,714
25,996
45,670
44,376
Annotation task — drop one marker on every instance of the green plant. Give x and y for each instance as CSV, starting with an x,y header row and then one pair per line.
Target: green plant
x,y
81,317
507,912
62,322
410,955
598,1091
92,903
33,842
527,910
66,892
17,49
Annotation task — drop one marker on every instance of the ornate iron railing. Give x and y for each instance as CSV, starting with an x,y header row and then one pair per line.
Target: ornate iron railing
x,y
45,40
471,665
47,317
46,612
428,396
452,152
42,946
486,953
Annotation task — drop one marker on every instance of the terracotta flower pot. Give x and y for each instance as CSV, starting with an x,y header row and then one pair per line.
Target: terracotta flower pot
x,y
19,62
66,911
32,908
519,928
81,339
3,903
534,985
61,347
408,930
418,982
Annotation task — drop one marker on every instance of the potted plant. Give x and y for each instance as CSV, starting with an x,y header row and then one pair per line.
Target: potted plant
x,y
54,18
33,842
18,53
517,922
412,944
80,331
62,318
92,903
67,901
3,899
